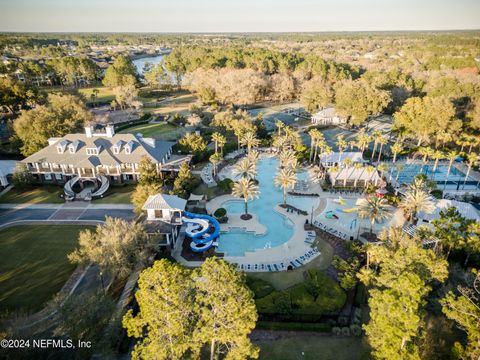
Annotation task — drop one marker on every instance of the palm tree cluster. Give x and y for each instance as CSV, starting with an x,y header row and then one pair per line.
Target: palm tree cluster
x,y
286,177
417,199
246,186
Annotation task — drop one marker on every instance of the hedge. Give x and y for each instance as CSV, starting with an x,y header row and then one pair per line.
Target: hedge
x,y
317,296
260,288
293,326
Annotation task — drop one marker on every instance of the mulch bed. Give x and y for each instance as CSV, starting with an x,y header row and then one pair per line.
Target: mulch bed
x,y
189,255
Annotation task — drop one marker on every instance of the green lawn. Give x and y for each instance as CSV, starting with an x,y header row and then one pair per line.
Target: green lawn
x,y
163,130
117,195
34,264
104,94
285,279
37,195
314,347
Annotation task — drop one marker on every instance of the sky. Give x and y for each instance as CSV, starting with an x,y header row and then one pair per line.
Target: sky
x,y
236,15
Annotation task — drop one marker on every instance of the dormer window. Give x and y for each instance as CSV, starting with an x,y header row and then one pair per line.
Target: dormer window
x,y
129,147
72,148
92,151
61,146
118,147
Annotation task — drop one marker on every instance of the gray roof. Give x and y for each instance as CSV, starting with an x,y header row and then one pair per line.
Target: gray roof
x,y
141,147
163,201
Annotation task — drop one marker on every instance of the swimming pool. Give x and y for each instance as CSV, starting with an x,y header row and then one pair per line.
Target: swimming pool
x,y
341,215
279,228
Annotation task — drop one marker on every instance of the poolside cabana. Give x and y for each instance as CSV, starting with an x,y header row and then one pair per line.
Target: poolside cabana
x,y
337,159
353,177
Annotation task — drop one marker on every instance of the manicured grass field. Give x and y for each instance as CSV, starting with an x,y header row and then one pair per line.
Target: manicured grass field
x,y
117,195
38,195
154,130
314,347
34,264
104,94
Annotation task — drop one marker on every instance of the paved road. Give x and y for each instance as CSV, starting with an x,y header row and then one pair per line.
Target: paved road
x,y
62,212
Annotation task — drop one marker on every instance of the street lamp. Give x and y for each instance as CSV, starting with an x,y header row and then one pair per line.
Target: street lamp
x,y
101,279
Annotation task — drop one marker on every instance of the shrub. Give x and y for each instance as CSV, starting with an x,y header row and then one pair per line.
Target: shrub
x,y
336,331
22,178
293,326
226,184
355,330
220,212
345,331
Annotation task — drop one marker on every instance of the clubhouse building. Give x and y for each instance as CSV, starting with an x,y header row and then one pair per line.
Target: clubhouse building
x,y
101,157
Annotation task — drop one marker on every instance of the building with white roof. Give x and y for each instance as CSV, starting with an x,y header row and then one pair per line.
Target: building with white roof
x,y
353,177
328,116
467,210
337,159
164,217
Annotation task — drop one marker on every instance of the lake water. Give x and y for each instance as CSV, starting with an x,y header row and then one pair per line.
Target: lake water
x,y
154,60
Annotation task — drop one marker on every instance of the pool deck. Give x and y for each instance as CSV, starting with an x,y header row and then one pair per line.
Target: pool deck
x,y
252,225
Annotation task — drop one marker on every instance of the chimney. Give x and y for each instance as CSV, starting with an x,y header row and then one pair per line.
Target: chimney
x,y
89,131
110,130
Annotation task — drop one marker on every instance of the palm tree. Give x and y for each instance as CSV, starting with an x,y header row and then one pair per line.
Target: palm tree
x,y
327,150
286,157
249,139
318,174
436,155
314,137
382,140
246,189
347,162
334,170
215,159
374,208
398,168
417,199
426,152
396,148
471,158
376,135
219,140
363,140
356,166
245,168
342,145
253,156
382,168
285,179
370,170
451,156
280,125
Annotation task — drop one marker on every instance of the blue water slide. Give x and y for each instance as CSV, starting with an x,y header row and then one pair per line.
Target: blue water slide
x,y
202,242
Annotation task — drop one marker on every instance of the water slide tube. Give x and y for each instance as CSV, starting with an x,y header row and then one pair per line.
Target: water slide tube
x,y
340,201
331,215
197,229
350,210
